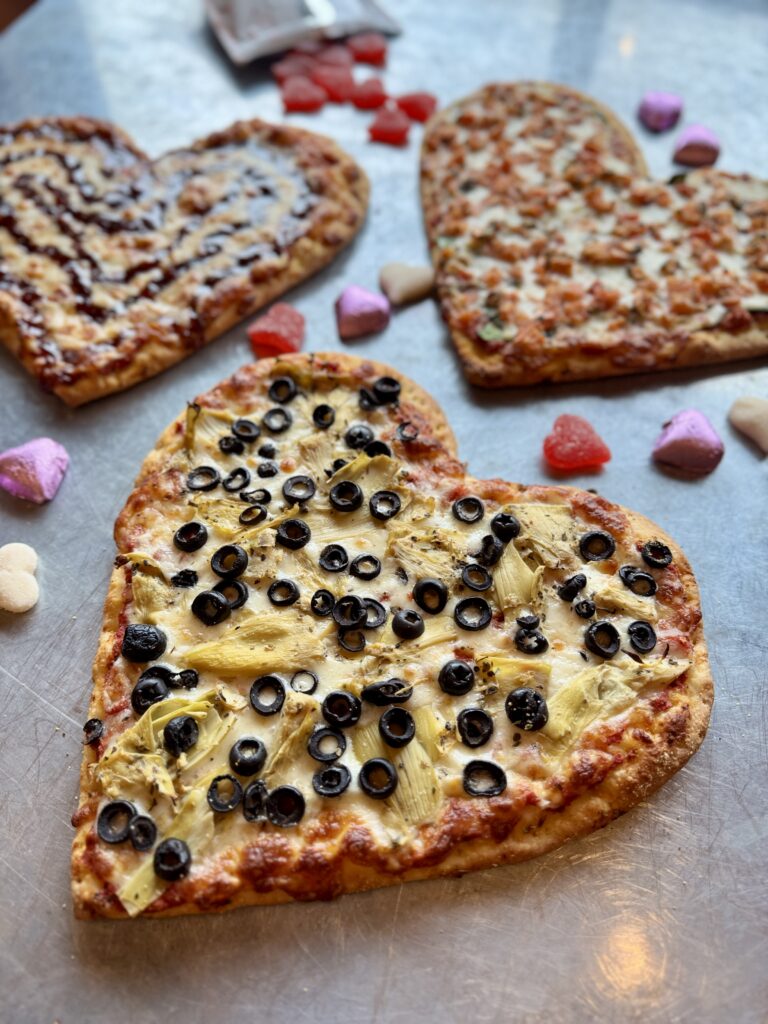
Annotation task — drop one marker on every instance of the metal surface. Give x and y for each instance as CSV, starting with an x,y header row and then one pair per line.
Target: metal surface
x,y
661,916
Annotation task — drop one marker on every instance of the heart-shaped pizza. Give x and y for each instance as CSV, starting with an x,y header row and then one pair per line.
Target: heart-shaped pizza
x,y
558,258
331,660
114,266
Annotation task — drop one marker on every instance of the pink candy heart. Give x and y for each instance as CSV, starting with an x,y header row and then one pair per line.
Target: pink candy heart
x,y
690,443
34,470
360,312
696,146
659,111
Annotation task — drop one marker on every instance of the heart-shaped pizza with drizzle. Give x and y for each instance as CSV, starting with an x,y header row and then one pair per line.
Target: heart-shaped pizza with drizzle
x,y
331,660
114,266
558,258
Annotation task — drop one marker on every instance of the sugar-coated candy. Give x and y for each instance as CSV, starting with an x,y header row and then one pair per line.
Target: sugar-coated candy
x,y
688,442
390,126
369,95
302,95
750,416
660,111
402,283
336,55
368,48
18,587
696,146
34,470
359,312
419,106
280,330
337,82
574,444
294,65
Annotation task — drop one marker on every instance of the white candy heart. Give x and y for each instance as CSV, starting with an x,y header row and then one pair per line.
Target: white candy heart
x,y
402,283
750,416
18,587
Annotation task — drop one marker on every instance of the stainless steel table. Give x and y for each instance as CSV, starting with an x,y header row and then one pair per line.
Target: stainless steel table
x,y
662,916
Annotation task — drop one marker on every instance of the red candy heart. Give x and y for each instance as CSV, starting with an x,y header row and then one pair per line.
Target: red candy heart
x,y
369,95
368,48
301,94
280,330
291,66
336,56
419,106
575,444
337,82
390,126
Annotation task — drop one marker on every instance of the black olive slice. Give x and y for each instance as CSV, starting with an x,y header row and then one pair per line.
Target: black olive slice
x,y
293,534
298,488
331,781
642,636
475,726
114,820
341,709
468,510
283,593
352,640
456,678
246,430
584,609
505,526
366,399
397,727
187,679
148,691
528,621
333,558
235,591
203,478
267,695
267,469
224,794
190,536
349,612
526,709
93,730
258,496
407,624
285,806
322,603
656,554
254,801
304,681
638,581
253,514
277,420
365,567
491,550
602,638
231,445
375,448
472,613
358,436
142,832
530,641
570,588
247,756
142,642
430,595
596,545
172,860
484,778
326,744
389,691
375,614
237,480
186,578
406,432
267,450
384,504
476,577
386,390
180,735
346,496
211,607
283,389
229,562
323,416
378,778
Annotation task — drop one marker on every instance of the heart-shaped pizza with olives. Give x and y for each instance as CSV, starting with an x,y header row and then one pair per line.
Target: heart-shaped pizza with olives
x,y
114,267
558,257
331,660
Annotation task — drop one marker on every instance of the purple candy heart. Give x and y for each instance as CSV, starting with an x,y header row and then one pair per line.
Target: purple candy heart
x,y
690,443
659,111
34,470
359,312
697,146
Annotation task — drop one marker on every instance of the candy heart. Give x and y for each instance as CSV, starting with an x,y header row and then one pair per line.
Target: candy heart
x,y
558,258
402,283
34,470
690,443
659,111
574,444
116,266
750,416
281,330
697,146
360,312
18,587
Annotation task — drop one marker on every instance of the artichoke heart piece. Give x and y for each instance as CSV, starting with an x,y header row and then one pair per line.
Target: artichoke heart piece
x,y
277,641
299,717
501,674
431,554
418,795
613,596
547,533
389,648
151,595
381,472
601,692
512,580
433,731
145,564
193,824
204,427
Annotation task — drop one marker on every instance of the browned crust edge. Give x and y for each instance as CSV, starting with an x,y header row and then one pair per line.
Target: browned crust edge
x,y
238,297
358,864
486,369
